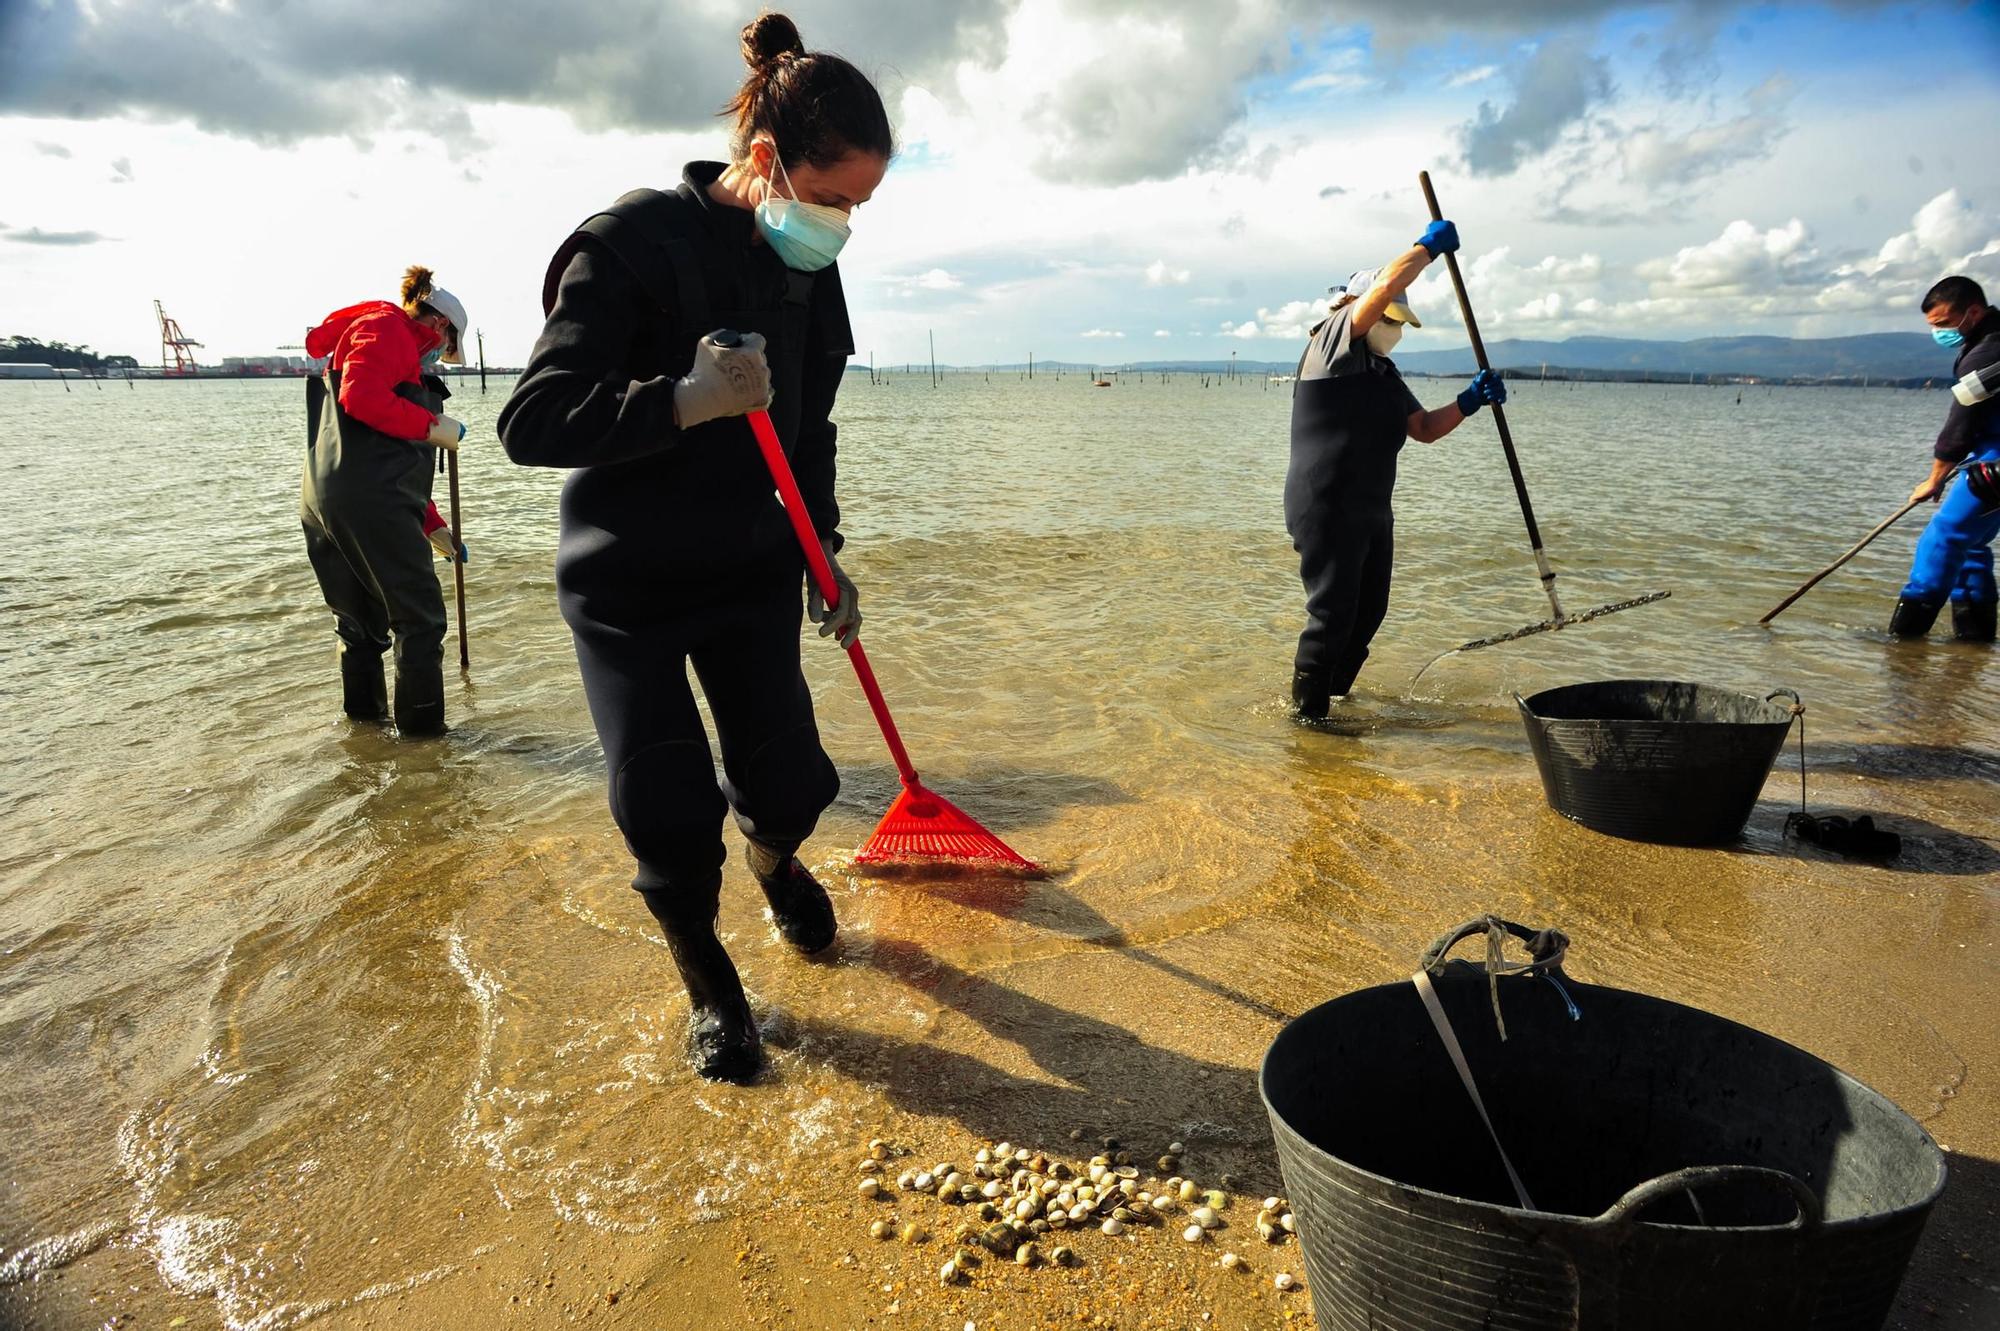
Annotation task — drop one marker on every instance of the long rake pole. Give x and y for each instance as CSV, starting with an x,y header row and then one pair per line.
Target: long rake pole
x,y
822,576
1852,551
457,564
1548,575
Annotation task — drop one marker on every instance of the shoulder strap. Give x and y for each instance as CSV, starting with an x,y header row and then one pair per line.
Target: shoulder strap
x,y
644,229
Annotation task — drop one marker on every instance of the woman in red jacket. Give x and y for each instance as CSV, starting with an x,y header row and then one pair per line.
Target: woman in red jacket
x,y
372,434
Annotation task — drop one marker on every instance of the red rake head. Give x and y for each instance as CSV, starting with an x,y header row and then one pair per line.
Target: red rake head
x,y
922,825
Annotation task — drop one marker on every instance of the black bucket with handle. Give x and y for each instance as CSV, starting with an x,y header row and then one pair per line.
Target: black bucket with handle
x,y
1656,759
1680,1170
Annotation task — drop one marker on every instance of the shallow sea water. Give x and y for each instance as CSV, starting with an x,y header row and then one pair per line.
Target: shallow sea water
x,y
302,1023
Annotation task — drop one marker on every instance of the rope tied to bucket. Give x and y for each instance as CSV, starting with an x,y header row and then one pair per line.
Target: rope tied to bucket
x,y
1798,711
1546,950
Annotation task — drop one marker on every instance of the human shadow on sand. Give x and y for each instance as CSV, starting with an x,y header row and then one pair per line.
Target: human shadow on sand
x,y
1101,1079
1928,848
1953,1282
1043,905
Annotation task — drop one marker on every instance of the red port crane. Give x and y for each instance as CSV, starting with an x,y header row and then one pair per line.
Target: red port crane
x,y
175,343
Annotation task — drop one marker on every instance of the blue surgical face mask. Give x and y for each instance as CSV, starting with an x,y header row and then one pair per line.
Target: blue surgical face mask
x,y
1947,337
805,236
434,358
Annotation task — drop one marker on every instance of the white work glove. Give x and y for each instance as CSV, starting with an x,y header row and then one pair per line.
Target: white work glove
x,y
843,622
724,381
445,434
448,546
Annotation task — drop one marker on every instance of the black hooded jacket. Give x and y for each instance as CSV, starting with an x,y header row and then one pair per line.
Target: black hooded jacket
x,y
652,509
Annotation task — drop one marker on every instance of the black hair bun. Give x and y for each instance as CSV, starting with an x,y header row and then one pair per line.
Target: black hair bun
x,y
768,39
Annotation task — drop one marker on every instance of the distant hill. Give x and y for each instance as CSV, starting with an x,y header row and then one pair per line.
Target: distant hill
x,y
1884,356
1880,355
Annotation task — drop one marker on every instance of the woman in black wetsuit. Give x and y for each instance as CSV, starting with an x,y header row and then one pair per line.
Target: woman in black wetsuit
x,y
1351,412
674,549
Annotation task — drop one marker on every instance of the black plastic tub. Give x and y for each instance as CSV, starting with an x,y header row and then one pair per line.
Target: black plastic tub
x,y
1655,759
1807,1196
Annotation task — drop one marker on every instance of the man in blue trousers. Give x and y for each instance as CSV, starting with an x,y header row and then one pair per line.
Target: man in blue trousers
x,y
1954,559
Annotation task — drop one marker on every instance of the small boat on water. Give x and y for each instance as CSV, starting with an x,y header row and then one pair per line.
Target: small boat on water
x,y
1282,378
1100,383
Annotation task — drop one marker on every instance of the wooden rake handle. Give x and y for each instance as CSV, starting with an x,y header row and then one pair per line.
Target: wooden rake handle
x,y
1547,574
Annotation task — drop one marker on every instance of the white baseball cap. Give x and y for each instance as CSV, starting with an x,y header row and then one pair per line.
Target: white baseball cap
x,y
449,306
1358,285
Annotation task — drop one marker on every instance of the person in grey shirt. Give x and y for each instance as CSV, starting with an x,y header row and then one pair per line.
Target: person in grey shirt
x,y
1351,412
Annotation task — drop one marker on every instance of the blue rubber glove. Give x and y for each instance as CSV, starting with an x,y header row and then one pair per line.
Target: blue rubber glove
x,y
1439,238
1485,390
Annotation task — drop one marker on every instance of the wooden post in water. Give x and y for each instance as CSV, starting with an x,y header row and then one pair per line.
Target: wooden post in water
x,y
933,338
481,335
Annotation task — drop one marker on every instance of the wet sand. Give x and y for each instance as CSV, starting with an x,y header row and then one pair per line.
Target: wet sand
x,y
301,1025
957,1013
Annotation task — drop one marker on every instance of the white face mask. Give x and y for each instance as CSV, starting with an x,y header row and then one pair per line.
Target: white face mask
x,y
1383,336
806,236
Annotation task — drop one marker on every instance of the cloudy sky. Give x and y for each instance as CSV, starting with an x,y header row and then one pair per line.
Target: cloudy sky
x,y
1082,179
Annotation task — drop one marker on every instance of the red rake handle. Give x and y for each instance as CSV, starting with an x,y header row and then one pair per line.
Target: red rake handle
x,y
822,575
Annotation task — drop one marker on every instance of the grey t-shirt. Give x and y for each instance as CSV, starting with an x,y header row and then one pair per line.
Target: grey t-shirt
x,y
1332,351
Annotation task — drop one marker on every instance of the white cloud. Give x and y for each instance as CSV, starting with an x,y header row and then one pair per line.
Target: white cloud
x,y
1100,332
936,279
1741,255
1746,276
1293,320
1247,329
1465,78
1161,332
1159,275
1946,232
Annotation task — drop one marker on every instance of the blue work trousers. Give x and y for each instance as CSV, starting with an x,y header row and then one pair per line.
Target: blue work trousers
x,y
1954,558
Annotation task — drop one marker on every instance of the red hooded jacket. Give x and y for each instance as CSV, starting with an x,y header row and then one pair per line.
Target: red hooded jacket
x,y
375,346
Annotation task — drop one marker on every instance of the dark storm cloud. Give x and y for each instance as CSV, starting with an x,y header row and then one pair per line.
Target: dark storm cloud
x,y
278,73
1552,90
345,67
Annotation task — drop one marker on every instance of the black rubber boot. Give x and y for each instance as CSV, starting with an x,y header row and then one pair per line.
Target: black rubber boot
x,y
1973,621
1309,695
363,696
722,1035
799,905
1913,619
420,700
